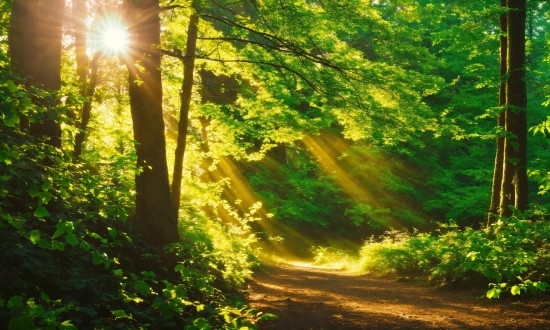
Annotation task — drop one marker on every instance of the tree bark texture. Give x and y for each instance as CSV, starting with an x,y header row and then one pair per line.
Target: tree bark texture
x,y
35,36
514,184
497,173
185,99
154,217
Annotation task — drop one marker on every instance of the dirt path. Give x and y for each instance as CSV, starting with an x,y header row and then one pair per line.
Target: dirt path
x,y
321,299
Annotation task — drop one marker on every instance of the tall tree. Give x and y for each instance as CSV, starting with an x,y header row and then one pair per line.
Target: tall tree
x,y
154,216
185,99
497,173
514,190
35,50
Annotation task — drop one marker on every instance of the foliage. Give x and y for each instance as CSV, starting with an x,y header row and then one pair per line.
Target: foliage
x,y
72,260
510,255
335,258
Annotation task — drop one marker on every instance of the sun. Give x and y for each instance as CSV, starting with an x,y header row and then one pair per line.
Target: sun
x,y
115,39
112,36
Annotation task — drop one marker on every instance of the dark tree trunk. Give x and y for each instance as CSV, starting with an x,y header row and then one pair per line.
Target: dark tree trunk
x,y
185,97
154,217
497,173
35,49
514,185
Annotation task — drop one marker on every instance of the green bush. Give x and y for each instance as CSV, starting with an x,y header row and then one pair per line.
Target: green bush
x,y
511,255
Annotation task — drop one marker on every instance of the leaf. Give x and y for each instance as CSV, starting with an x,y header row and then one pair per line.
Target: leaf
x,y
97,257
21,323
33,192
84,245
200,308
56,245
493,293
44,244
34,236
119,313
515,290
71,239
112,232
15,301
541,286
143,288
268,317
41,212
66,325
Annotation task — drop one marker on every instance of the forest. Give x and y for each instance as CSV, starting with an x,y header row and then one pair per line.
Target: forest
x,y
155,154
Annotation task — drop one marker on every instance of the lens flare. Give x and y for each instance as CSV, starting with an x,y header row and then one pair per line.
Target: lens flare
x,y
115,39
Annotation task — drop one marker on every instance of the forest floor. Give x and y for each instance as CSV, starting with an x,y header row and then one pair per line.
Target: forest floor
x,y
305,297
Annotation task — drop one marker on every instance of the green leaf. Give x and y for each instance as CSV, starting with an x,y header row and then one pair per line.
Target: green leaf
x,y
44,244
515,290
268,317
493,293
202,324
112,232
15,301
143,288
71,239
33,192
84,245
541,286
41,212
56,245
34,236
66,325
119,313
21,323
97,257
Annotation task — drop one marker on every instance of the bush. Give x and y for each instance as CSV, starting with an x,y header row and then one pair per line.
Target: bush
x,y
510,255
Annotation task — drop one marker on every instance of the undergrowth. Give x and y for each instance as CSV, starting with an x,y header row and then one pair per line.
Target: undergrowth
x,y
70,257
511,255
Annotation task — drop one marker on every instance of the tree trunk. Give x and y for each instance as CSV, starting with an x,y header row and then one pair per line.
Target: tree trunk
x,y
514,185
497,173
185,97
88,92
154,217
35,49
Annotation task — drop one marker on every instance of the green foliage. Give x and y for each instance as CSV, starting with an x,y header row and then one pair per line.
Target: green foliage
x,y
512,254
70,257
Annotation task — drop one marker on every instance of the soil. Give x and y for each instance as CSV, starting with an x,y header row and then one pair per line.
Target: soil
x,y
305,297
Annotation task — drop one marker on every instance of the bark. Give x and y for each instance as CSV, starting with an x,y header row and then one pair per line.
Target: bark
x,y
497,173
154,217
35,50
185,97
514,185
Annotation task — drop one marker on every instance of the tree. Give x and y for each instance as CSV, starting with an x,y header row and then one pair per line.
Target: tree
x,y
185,99
514,190
499,158
154,215
35,36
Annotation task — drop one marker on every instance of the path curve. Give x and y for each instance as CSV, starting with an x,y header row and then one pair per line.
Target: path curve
x,y
314,298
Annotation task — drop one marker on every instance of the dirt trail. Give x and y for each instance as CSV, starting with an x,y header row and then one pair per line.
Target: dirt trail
x,y
322,299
